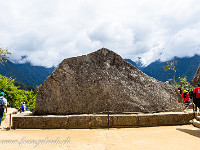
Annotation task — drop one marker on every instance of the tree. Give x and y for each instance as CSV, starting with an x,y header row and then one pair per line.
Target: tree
x,y
185,84
21,86
171,66
4,55
183,81
14,95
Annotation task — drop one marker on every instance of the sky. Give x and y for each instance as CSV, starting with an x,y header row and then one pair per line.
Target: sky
x,y
44,32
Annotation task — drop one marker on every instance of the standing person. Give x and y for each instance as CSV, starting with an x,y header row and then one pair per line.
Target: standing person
x,y
23,108
180,90
192,98
186,98
3,105
191,93
197,96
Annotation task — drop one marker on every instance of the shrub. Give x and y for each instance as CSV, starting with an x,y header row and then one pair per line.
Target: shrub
x,y
14,95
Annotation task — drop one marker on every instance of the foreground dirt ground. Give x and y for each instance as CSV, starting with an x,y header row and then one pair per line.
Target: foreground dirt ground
x,y
149,138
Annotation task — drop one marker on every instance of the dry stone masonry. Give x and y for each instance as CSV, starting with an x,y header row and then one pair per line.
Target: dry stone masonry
x,y
100,82
196,77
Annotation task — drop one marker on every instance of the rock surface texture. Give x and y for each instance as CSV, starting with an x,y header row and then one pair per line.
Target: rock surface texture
x,y
196,77
100,82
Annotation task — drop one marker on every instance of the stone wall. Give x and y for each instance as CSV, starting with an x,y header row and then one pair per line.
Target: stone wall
x,y
101,121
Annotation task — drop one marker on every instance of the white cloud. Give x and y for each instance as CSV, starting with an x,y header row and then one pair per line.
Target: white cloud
x,y
48,31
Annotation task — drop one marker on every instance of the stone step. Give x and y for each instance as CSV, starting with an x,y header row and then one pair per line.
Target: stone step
x,y
196,123
198,118
190,106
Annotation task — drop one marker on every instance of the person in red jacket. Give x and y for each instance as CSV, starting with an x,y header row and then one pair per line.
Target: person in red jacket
x,y
186,98
197,96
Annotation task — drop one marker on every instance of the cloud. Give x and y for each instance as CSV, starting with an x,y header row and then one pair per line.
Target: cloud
x,y
49,31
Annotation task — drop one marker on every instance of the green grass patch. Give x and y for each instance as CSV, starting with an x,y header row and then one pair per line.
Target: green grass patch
x,y
4,116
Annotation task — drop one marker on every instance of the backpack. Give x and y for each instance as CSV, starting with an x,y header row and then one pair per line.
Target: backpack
x,y
191,94
184,95
1,103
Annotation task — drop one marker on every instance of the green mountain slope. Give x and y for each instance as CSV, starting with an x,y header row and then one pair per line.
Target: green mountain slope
x,y
185,67
26,73
35,75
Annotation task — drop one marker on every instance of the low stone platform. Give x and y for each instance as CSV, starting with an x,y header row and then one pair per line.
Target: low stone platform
x,y
27,121
196,120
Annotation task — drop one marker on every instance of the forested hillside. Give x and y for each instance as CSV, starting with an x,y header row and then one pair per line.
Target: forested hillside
x,y
184,67
25,73
35,75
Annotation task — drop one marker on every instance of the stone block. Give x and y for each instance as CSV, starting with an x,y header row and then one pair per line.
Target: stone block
x,y
78,121
99,121
124,120
148,120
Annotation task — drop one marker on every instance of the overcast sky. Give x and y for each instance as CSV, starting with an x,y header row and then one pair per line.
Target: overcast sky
x,y
48,31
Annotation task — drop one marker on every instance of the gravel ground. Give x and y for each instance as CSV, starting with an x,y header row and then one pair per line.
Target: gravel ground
x,y
183,137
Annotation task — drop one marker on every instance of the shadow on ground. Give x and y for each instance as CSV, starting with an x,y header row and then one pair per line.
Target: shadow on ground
x,y
195,133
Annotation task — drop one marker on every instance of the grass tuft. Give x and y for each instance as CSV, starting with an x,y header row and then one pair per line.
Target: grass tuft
x,y
4,116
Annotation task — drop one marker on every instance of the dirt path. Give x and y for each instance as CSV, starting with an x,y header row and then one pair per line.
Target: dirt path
x,y
149,138
5,123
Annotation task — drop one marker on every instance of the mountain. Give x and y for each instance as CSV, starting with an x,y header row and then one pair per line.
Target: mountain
x,y
35,75
26,73
131,62
186,66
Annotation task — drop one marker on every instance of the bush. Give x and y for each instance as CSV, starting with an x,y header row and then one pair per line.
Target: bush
x,y
14,95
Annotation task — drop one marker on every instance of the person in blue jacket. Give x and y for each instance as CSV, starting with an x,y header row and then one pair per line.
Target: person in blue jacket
x,y
23,108
3,105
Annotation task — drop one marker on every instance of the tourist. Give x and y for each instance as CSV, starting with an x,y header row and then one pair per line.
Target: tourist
x,y
180,90
197,96
186,98
191,93
23,108
3,105
192,98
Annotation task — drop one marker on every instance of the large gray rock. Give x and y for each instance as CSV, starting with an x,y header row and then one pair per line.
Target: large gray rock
x,y
196,77
102,81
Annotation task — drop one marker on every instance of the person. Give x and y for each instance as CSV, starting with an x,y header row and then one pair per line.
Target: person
x,y
180,90
191,93
23,108
197,96
3,105
186,98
